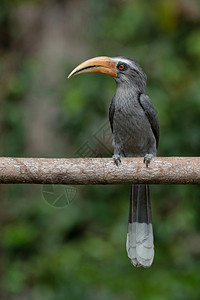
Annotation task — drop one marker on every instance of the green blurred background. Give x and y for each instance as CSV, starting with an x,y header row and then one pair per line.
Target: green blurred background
x,y
74,247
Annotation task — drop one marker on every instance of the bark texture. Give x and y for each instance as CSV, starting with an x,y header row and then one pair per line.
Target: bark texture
x,y
162,170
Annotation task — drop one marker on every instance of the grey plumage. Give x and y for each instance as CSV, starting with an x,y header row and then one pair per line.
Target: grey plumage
x,y
135,130
139,243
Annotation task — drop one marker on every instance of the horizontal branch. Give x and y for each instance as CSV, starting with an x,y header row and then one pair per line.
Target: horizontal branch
x,y
162,170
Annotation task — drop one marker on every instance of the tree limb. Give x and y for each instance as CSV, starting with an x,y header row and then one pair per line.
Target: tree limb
x,y
162,170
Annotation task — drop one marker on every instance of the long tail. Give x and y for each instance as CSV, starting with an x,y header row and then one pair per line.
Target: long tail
x,y
139,244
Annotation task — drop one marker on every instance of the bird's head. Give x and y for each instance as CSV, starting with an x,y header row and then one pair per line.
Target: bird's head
x,y
125,71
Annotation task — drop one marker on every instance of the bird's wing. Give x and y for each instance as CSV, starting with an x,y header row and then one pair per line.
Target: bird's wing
x,y
111,112
151,114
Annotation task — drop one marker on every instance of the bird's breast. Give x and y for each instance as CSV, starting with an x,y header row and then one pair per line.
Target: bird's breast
x,y
132,132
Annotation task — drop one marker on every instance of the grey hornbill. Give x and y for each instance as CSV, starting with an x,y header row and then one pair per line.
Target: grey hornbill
x,y
135,129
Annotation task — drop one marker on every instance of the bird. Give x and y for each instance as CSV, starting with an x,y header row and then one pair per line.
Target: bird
x,y
135,132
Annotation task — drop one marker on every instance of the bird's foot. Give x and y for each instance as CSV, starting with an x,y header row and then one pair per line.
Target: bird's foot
x,y
117,159
147,159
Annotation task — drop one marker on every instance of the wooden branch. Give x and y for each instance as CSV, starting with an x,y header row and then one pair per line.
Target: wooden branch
x,y
162,170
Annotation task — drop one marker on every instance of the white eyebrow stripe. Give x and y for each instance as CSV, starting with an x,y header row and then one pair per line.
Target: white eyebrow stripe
x,y
126,61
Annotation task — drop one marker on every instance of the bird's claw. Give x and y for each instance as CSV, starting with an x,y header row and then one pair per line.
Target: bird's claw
x,y
117,159
147,159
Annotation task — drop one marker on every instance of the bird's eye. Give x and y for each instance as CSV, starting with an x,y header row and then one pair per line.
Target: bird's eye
x,y
122,67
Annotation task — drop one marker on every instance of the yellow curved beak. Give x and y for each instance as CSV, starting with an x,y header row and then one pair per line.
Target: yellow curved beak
x,y
101,64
